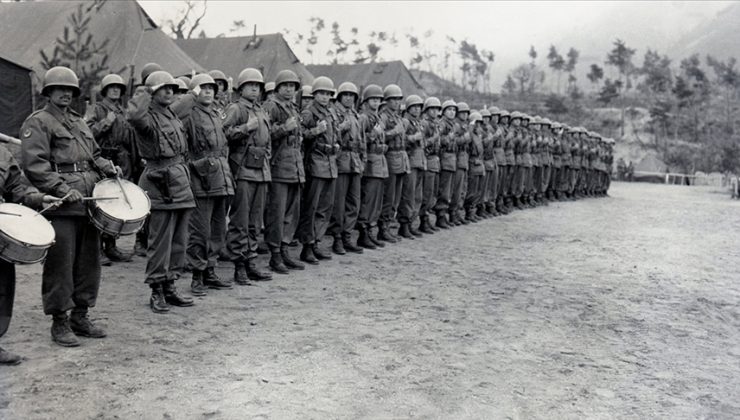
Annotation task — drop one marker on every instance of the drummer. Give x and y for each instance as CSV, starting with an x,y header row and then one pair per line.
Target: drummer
x,y
15,188
62,159
115,137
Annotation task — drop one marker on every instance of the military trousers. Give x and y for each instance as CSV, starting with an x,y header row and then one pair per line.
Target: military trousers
x,y
71,273
7,294
564,179
545,182
553,179
474,195
429,193
207,231
490,186
501,190
346,204
509,184
444,193
166,247
517,183
411,196
371,204
391,196
316,209
536,179
459,187
241,242
282,214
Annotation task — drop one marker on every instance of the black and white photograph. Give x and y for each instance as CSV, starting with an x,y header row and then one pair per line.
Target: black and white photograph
x,y
512,210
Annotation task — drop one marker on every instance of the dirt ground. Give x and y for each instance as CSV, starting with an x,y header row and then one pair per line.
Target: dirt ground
x,y
623,307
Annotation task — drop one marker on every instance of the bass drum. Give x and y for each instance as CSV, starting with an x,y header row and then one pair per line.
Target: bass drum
x,y
25,235
122,211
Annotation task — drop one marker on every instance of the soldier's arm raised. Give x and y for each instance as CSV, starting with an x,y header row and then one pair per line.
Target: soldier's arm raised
x,y
137,112
183,105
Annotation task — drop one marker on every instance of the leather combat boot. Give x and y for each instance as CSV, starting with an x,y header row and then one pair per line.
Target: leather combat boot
x,y
212,280
173,296
348,245
62,333
405,232
254,274
364,239
157,302
307,255
240,274
276,262
383,234
338,246
197,288
319,253
424,226
415,231
82,326
289,261
378,243
442,221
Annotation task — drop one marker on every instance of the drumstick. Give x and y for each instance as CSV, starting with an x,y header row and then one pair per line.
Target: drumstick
x,y
123,190
5,213
99,198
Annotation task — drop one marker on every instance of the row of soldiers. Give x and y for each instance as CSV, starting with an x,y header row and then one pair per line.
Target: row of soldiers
x,y
284,167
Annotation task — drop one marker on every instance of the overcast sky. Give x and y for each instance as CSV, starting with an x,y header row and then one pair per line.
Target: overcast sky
x,y
506,28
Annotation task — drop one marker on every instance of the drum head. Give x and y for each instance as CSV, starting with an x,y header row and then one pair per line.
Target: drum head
x,y
30,228
139,202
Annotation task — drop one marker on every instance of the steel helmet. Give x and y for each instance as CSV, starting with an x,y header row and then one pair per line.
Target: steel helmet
x,y
322,83
203,79
392,91
494,110
412,100
161,77
545,121
269,87
372,91
181,85
535,120
306,92
219,75
248,75
112,80
474,117
348,87
485,113
287,76
148,69
463,107
185,79
504,114
431,102
556,125
61,76
449,103
516,114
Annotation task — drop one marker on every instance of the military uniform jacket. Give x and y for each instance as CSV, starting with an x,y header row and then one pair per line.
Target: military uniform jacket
x,y
462,137
161,141
208,152
565,157
116,140
376,165
555,153
575,153
398,159
519,142
477,166
526,155
59,153
14,187
430,131
536,150
415,148
509,145
321,149
447,129
489,158
498,145
287,158
249,152
352,153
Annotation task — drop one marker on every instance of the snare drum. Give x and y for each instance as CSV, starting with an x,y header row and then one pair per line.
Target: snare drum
x,y
25,235
125,213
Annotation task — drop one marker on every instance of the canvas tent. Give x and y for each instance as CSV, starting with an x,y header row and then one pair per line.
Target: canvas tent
x,y
16,96
650,169
269,53
29,27
362,75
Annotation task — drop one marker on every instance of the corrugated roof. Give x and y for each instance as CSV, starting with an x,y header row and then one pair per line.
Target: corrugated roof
x,y
382,74
29,27
269,52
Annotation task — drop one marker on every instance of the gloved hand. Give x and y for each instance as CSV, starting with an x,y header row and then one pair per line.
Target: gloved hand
x,y
73,196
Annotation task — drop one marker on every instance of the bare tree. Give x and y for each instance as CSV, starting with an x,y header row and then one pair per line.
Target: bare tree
x,y
188,19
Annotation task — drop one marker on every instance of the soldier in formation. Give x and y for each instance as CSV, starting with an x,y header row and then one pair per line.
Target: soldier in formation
x,y
296,164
